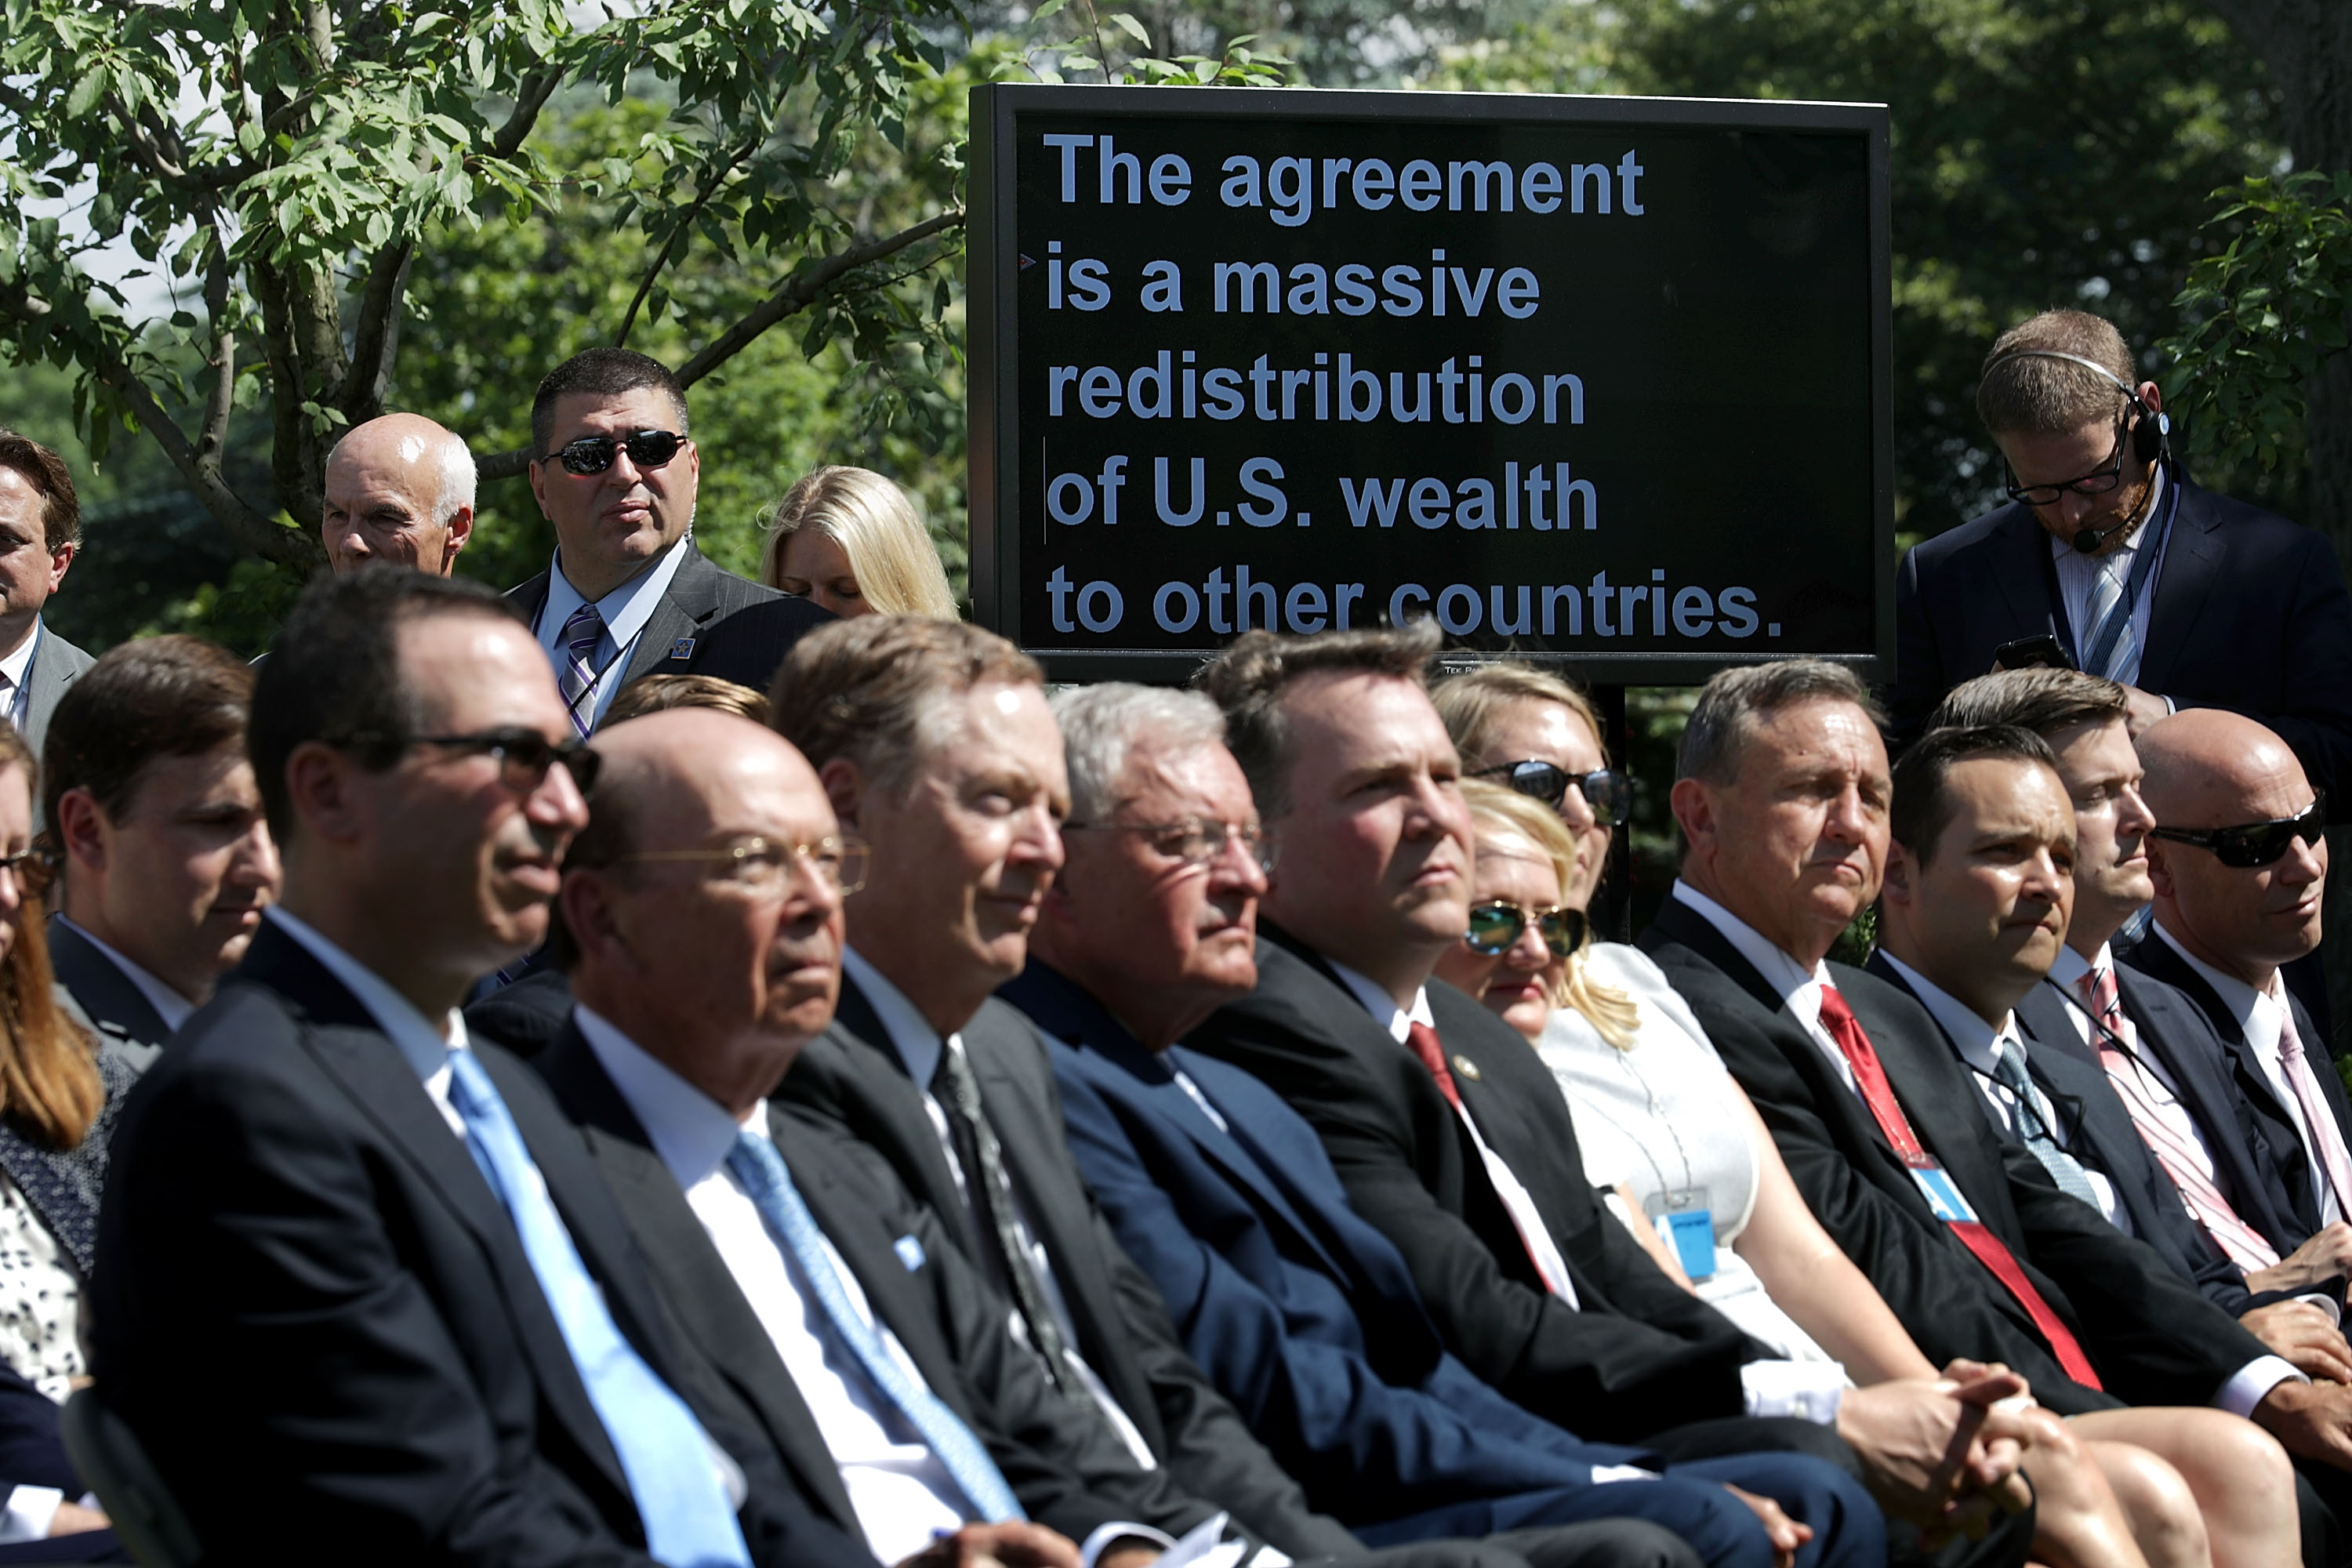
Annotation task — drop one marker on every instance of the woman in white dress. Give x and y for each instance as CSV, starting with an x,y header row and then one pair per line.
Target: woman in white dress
x,y
1664,1124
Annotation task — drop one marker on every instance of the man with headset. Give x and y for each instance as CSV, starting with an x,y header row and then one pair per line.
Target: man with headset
x,y
2108,560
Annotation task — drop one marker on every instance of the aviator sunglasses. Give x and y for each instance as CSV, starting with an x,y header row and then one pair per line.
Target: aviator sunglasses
x,y
2254,843
595,454
1496,925
1609,792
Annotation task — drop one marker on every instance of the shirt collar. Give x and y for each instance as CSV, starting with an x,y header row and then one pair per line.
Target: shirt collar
x,y
2060,549
2072,966
170,1006
2257,1014
1978,1042
691,1131
18,663
1799,988
427,1047
911,1036
1398,1021
625,610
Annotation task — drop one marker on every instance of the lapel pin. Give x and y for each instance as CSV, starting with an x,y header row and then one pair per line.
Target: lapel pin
x,y
1464,1068
682,648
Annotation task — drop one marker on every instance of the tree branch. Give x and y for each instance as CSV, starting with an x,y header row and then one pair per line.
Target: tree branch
x,y
246,526
376,335
797,294
536,90
679,237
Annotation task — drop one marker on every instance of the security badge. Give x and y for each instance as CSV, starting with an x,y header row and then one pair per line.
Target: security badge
x,y
682,648
1684,1219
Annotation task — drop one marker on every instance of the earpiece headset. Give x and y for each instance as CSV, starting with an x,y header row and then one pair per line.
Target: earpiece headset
x,y
2151,432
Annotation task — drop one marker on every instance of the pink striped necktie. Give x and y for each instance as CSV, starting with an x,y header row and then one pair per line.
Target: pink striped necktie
x,y
2327,1139
2141,1092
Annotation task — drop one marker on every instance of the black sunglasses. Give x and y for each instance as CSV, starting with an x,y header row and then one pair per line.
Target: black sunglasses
x,y
1609,792
1497,925
2097,483
523,755
595,454
2254,843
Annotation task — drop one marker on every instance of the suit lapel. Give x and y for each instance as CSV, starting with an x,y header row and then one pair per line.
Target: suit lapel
x,y
531,597
99,985
686,606
903,1122
2028,575
2192,560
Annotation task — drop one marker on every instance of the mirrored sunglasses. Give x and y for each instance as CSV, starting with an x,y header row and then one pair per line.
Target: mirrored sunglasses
x,y
595,454
1609,792
1497,925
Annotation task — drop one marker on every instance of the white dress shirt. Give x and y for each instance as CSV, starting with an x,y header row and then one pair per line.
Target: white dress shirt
x,y
918,1045
1979,1044
2262,1017
1801,997
625,609
16,672
2155,1080
2078,576
170,1006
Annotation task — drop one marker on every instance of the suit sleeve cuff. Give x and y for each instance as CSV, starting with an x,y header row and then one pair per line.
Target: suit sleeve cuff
x,y
1107,1536
1807,1390
30,1512
2252,1383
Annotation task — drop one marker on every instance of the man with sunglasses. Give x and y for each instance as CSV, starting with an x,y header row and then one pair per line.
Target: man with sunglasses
x,y
1448,1132
2239,867
2187,598
446,1349
628,594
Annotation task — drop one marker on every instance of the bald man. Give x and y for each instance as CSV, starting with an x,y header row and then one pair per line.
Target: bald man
x,y
399,489
2239,867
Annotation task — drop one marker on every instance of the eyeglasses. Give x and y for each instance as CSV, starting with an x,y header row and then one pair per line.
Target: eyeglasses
x,y
763,866
2254,843
2097,483
32,869
1496,928
595,454
1196,840
523,755
1609,792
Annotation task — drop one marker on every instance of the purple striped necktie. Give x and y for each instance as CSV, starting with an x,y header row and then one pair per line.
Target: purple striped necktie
x,y
582,633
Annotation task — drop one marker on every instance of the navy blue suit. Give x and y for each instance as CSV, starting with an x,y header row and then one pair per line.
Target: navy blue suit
x,y
2250,613
1306,1317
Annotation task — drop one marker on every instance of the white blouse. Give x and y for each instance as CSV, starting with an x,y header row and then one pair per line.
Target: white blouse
x,y
41,1299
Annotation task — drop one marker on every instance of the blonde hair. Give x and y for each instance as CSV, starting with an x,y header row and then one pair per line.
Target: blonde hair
x,y
898,568
1500,811
1473,703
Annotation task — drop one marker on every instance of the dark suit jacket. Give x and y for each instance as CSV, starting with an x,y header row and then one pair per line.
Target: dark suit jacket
x,y
2289,1161
1637,1355
2152,1339
2250,613
289,1211
689,632
2096,1128
851,1080
1304,1314
1061,1459
100,988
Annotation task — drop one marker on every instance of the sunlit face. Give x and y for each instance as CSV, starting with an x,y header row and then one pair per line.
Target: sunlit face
x,y
2056,459
1989,911
383,489
1795,846
814,566
1376,845
610,524
1536,730
1519,983
962,864
2102,775
29,570
2257,915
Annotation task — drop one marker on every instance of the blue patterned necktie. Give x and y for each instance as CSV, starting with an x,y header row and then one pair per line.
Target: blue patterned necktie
x,y
583,631
2008,1068
663,1452
762,1171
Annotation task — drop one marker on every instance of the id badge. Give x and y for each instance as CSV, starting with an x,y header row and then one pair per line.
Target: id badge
x,y
1686,1221
1943,1196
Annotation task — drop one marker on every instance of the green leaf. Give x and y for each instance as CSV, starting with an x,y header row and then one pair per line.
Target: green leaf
x,y
1132,27
86,91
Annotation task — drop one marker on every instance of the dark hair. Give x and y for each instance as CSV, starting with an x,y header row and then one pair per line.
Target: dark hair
x,y
1247,680
159,697
599,373
2043,700
47,473
868,688
1923,797
1728,707
48,1067
656,693
334,675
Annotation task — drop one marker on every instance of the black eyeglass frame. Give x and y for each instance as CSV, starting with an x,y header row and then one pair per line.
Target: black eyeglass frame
x,y
2238,847
1575,928
1609,792
592,454
2099,483
523,755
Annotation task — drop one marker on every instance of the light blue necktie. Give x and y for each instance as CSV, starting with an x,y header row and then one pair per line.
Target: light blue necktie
x,y
762,1171
2008,1067
688,1521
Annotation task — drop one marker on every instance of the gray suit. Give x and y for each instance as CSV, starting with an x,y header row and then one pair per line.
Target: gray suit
x,y
56,664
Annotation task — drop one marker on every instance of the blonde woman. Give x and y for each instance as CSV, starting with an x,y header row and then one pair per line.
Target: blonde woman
x,y
848,541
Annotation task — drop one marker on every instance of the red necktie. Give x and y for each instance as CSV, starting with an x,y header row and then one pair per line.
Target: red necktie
x,y
1879,1095
1424,1043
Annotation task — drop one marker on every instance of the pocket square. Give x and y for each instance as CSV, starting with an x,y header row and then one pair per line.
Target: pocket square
x,y
909,1251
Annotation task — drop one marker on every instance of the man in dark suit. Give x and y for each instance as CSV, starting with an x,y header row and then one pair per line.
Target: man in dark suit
x,y
2236,904
164,860
2189,599
1307,1316
627,594
40,531
1783,800
446,1349
1449,1133
725,968
2170,1072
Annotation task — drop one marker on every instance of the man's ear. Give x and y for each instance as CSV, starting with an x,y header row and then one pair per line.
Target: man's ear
x,y
844,787
461,532
1896,889
591,916
320,787
81,828
2158,871
1694,811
